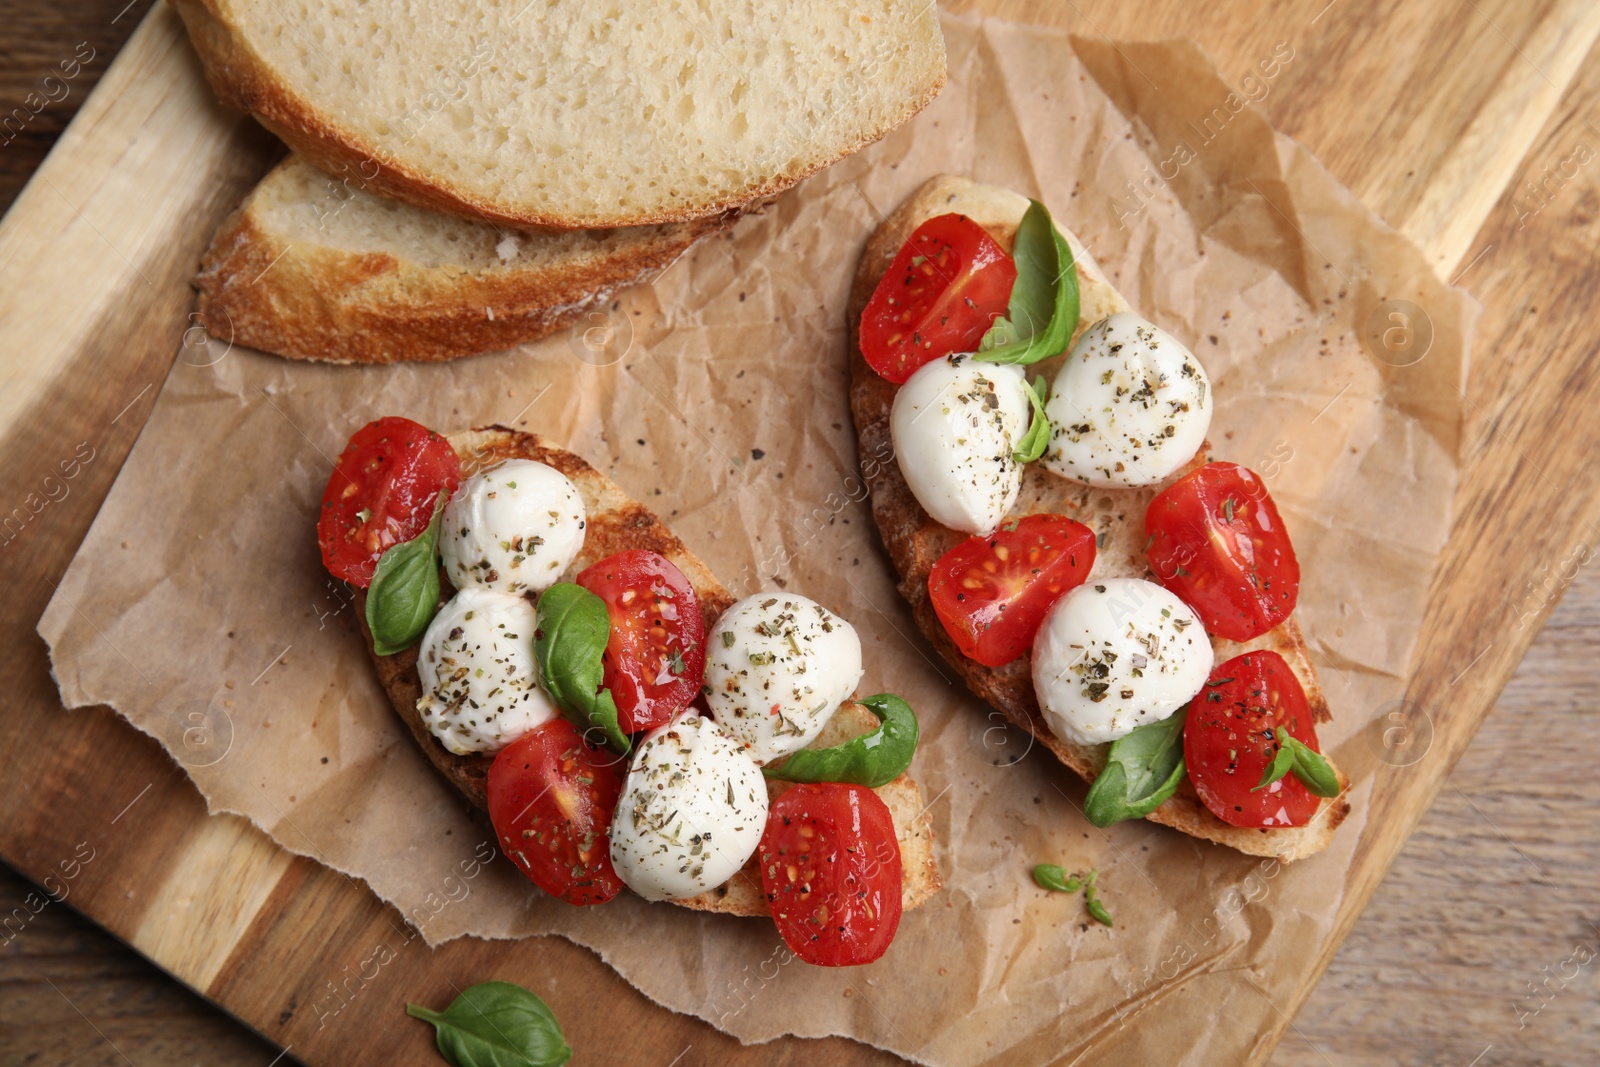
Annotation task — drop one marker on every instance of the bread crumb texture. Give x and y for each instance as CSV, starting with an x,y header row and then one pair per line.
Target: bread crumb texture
x,y
579,114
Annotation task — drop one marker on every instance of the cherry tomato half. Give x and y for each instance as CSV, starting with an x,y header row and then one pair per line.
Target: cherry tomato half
x,y
1230,738
992,592
656,657
381,493
551,797
830,867
943,291
1217,542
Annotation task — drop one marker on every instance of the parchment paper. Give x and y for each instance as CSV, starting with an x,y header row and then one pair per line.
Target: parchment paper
x,y
198,608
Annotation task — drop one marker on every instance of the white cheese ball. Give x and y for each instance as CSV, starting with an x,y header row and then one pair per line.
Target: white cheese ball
x,y
691,814
956,423
1130,405
777,667
1115,654
514,527
480,683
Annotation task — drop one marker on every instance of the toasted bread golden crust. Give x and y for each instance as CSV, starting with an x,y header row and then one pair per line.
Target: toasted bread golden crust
x,y
243,80
304,300
618,524
915,542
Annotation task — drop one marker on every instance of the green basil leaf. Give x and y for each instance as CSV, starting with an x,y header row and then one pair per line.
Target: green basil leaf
x,y
1142,770
568,642
1033,295
1281,763
1097,910
1049,876
497,1024
1037,439
404,595
872,759
1043,310
1310,766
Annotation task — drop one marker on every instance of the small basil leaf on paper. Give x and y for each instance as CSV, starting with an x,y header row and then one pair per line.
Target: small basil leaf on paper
x,y
568,643
497,1024
873,759
404,594
1050,876
1142,770
1037,439
1097,910
1310,766
1043,310
1281,763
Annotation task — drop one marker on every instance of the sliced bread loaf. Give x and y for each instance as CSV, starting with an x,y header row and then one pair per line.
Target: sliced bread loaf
x,y
313,268
613,113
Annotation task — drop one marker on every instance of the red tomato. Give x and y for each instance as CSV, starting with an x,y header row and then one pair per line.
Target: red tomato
x,y
1217,542
992,592
830,866
381,493
657,653
551,796
943,291
1230,738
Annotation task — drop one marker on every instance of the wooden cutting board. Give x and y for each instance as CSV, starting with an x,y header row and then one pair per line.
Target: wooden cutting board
x,y
95,257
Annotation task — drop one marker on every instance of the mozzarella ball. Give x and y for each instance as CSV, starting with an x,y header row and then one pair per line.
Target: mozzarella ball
x,y
1130,406
691,814
777,667
480,683
1115,654
514,527
956,423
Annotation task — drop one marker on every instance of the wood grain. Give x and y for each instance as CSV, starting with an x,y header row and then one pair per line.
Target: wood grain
x,y
1462,947
1436,114
59,964
69,44
1510,841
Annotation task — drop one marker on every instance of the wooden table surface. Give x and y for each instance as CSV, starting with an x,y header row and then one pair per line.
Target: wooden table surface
x,y
1480,946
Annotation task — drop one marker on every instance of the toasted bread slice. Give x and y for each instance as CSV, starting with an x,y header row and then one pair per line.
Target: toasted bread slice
x,y
618,524
311,268
915,542
577,114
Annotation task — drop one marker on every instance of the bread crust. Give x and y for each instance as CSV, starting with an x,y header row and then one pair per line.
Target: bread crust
x,y
617,524
242,79
915,542
315,302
